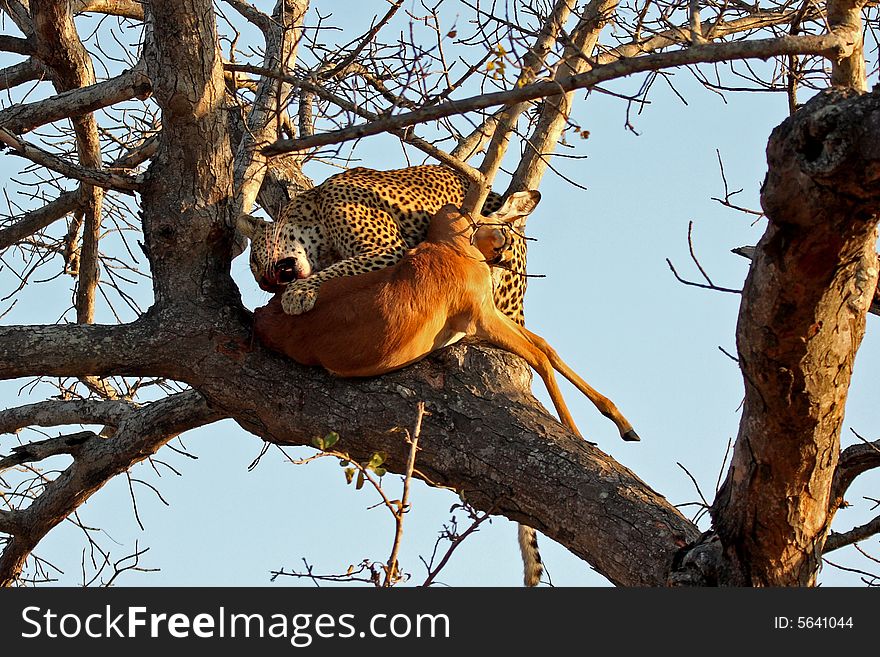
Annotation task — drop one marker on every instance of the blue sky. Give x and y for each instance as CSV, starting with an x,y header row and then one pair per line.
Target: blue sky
x,y
608,304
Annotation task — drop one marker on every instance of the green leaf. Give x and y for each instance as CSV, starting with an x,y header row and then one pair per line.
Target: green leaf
x,y
376,460
344,463
380,471
360,480
330,439
349,475
318,442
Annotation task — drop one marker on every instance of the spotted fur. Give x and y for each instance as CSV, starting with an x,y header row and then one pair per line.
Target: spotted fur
x,y
362,220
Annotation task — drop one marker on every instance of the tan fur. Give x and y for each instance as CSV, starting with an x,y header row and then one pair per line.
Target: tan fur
x,y
440,291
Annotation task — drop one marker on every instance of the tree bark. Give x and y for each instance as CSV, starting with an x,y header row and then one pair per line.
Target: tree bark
x,y
801,321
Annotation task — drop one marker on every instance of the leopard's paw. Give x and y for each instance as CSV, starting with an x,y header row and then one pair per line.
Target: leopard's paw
x,y
298,299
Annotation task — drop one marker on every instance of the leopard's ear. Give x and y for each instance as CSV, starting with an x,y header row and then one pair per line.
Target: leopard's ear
x,y
249,226
517,207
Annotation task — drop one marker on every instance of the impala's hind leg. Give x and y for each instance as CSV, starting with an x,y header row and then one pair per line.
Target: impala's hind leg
x,y
538,353
503,332
605,405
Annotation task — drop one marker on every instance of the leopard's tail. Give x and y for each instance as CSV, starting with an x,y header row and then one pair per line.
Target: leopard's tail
x,y
528,546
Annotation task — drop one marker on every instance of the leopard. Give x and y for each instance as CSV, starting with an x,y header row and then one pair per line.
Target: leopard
x,y
363,220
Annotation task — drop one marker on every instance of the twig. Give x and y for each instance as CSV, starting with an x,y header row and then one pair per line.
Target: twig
x,y
391,572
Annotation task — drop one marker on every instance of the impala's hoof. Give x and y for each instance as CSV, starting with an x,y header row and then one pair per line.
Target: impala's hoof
x,y
631,436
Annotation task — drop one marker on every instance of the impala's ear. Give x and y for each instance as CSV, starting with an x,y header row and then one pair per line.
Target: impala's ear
x,y
518,205
249,226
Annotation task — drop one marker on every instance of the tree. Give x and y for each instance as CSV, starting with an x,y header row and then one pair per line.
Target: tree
x,y
218,137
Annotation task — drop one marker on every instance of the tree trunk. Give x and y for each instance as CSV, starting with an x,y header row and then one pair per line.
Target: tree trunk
x,y
801,321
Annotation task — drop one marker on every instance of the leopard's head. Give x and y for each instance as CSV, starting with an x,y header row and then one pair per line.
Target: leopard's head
x,y
284,252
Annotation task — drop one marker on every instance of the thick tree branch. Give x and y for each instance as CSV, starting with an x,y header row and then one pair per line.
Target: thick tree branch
x,y
59,47
23,117
16,45
17,74
831,46
43,449
75,350
845,19
556,110
532,63
124,8
282,34
485,437
18,12
251,14
54,413
713,29
36,220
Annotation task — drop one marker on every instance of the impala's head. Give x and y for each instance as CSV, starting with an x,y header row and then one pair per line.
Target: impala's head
x,y
501,234
283,252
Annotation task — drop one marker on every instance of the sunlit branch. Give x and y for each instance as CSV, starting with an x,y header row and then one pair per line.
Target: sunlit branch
x,y
23,117
60,412
831,46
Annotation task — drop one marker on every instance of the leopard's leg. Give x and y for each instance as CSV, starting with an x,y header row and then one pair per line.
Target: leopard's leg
x,y
300,296
366,236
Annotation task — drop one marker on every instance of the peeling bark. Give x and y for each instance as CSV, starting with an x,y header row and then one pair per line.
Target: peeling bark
x,y
801,321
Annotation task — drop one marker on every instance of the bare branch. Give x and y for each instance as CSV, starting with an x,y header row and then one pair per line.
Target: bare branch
x,y
96,177
392,571
405,135
26,71
838,540
831,46
352,56
23,117
60,412
715,30
58,46
282,40
43,449
854,460
476,141
140,435
125,8
37,220
18,12
16,45
845,19
553,118
251,14
72,349
532,63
